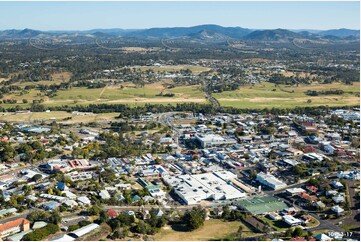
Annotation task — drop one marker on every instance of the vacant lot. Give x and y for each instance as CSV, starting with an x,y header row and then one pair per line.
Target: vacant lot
x,y
267,95
213,229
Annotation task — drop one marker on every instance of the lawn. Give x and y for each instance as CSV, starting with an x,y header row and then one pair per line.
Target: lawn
x,y
213,229
266,95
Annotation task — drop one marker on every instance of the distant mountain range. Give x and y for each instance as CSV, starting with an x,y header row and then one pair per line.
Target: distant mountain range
x,y
204,32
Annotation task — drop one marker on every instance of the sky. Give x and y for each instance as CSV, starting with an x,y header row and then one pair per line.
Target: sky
x,y
137,15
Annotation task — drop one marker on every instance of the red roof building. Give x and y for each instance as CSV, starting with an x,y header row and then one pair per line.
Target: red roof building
x,y
13,227
112,213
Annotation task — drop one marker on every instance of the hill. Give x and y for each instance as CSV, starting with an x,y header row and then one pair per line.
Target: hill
x,y
272,35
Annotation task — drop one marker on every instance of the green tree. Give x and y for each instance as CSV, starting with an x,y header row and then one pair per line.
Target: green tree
x,y
297,232
195,218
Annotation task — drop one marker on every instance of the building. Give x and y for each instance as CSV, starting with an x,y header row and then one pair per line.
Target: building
x,y
338,210
13,227
83,230
211,140
270,181
208,186
292,221
294,191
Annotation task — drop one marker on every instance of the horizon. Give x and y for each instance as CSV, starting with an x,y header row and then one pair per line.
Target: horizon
x,y
80,16
130,29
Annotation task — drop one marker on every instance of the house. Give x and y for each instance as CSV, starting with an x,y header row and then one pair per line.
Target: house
x,y
13,227
83,200
338,210
319,204
294,191
322,237
70,203
292,221
112,213
104,194
339,199
274,216
312,189
306,218
307,197
50,205
62,187
337,184
331,193
294,152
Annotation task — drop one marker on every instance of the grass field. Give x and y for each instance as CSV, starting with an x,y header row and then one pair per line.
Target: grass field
x,y
264,95
213,229
267,95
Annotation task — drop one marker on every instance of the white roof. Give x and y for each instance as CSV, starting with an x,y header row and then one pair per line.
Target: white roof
x,y
291,220
84,230
295,190
83,199
39,224
64,237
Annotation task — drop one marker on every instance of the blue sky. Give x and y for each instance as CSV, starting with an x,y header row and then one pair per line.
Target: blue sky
x,y
130,15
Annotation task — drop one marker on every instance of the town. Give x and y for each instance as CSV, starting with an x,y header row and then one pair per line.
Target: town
x,y
280,176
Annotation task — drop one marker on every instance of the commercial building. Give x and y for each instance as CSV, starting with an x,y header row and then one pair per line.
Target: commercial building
x,y
208,186
211,140
270,181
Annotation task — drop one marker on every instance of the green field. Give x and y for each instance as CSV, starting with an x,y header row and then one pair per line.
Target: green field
x,y
266,95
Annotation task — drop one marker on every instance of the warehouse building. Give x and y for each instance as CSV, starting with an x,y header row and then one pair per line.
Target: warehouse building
x,y
208,186
270,181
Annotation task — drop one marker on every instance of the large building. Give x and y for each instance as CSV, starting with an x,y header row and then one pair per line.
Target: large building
x,y
192,189
13,227
211,140
270,181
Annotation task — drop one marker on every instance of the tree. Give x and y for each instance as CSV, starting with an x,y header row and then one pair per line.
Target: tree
x,y
226,212
141,227
36,177
297,232
288,232
94,210
240,231
195,218
55,217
